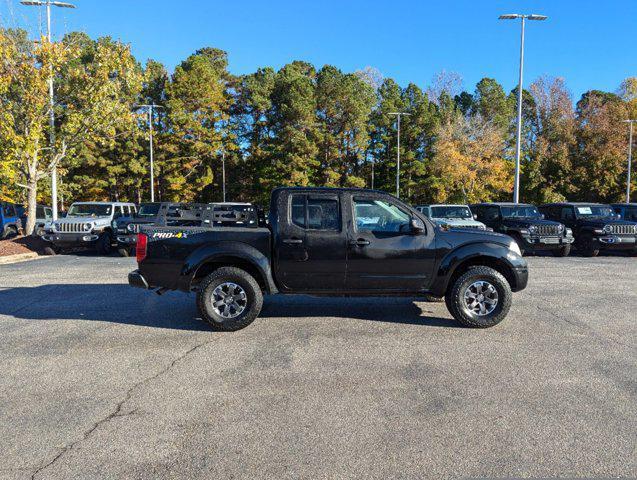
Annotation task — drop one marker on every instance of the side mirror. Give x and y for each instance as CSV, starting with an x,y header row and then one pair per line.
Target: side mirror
x,y
542,216
417,225
475,216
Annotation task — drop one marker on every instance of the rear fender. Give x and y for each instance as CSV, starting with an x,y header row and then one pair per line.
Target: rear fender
x,y
478,253
222,251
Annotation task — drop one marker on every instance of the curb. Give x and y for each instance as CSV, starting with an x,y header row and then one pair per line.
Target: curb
x,y
20,257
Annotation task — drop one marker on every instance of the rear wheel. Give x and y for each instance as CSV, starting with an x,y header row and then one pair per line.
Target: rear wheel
x,y
229,299
480,297
104,243
563,251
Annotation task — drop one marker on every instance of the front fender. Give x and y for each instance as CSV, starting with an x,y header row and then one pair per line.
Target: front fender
x,y
226,250
492,252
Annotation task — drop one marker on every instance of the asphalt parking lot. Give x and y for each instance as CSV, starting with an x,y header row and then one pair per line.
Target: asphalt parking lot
x,y
100,380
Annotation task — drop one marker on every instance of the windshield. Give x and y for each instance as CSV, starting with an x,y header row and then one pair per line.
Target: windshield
x,y
520,211
89,210
148,209
596,211
451,212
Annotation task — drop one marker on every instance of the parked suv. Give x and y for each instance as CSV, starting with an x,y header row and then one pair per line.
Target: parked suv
x,y
151,213
10,223
626,211
455,216
88,224
527,226
43,215
595,226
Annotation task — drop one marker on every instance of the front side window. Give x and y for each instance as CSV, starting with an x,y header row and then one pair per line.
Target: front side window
x,y
374,215
315,212
520,211
148,209
491,213
89,210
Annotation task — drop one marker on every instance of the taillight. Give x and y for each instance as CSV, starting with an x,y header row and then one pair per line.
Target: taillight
x,y
142,244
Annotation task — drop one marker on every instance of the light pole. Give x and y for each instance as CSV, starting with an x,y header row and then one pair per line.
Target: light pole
x,y
54,173
398,115
223,173
150,108
630,157
514,16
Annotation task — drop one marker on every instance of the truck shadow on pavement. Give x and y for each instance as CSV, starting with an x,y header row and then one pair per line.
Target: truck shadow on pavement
x,y
119,303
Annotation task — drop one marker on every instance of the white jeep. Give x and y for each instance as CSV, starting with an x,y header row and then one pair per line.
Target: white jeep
x,y
452,216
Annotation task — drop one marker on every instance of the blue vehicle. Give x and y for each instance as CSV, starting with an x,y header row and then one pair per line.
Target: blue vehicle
x,y
10,223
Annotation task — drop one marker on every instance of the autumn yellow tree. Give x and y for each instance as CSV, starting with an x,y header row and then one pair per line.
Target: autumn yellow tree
x,y
468,162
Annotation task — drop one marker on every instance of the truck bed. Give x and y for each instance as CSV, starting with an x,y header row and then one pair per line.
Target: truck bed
x,y
172,251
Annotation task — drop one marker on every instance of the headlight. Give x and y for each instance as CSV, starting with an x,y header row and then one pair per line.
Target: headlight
x,y
514,247
87,227
130,227
114,224
533,229
56,226
569,232
560,228
607,228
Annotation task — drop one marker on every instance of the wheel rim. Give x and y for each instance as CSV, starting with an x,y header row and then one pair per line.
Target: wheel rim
x,y
229,300
481,298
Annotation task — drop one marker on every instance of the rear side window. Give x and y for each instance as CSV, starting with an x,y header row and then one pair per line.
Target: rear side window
x,y
315,212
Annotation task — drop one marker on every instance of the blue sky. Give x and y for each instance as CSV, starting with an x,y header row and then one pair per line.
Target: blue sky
x,y
588,42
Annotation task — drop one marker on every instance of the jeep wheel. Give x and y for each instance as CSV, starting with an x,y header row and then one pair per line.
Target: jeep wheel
x,y
588,248
563,251
229,299
123,252
480,297
9,232
104,243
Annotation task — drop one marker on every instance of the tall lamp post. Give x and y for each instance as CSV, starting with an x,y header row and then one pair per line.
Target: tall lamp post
x,y
398,115
514,16
150,107
54,173
630,157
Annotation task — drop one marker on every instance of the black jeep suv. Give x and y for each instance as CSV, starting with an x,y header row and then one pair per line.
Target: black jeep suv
x,y
595,226
527,226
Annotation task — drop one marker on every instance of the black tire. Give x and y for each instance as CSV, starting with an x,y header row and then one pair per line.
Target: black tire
x,y
49,251
253,299
563,251
433,299
587,248
104,243
456,304
38,232
9,232
123,252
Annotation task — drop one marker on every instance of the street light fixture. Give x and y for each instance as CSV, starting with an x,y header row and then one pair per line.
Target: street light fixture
x,y
515,16
150,108
54,175
398,115
630,157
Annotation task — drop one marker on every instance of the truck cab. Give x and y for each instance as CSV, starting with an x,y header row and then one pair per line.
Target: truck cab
x,y
323,241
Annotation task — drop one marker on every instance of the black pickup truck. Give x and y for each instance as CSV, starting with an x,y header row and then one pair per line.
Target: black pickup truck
x,y
333,242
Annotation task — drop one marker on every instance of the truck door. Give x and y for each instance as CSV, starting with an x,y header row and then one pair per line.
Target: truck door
x,y
383,251
311,246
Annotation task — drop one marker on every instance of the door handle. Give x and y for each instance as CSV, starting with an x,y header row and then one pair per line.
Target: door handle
x,y
292,241
361,242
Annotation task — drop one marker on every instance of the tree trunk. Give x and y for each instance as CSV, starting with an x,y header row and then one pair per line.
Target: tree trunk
x,y
32,192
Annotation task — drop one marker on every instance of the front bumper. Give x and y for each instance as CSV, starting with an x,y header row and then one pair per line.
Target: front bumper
x,y
521,275
544,243
70,238
136,279
127,239
616,241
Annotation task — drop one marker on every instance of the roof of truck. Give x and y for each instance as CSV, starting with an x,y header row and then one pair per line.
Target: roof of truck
x,y
102,203
332,189
574,203
505,204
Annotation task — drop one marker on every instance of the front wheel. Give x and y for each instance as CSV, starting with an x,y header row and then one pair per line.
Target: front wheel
x,y
229,299
480,297
588,248
563,251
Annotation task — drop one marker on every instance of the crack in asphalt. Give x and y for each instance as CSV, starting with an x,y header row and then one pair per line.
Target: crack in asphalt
x,y
117,411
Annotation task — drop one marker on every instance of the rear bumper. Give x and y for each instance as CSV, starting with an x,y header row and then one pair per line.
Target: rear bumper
x,y
136,279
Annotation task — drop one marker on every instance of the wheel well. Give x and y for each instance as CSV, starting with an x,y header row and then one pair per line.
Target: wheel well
x,y
207,268
482,261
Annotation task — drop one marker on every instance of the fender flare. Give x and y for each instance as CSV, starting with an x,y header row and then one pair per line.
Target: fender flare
x,y
496,252
211,252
